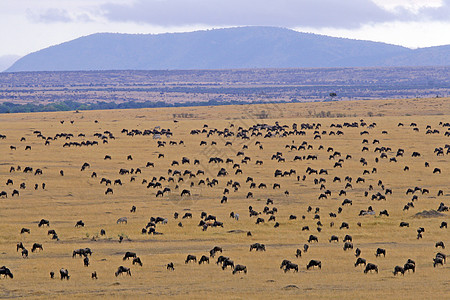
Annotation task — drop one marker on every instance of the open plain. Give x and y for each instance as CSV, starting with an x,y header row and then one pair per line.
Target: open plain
x,y
76,195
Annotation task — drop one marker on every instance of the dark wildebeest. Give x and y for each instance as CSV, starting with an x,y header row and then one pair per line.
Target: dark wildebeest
x,y
79,224
348,238
334,238
109,191
348,245
240,268
122,220
185,192
203,259
36,246
129,255
190,258
443,224
440,244
360,261
409,266
137,260
64,274
357,252
399,269
6,272
214,250
313,238
122,270
25,230
20,246
170,266
314,263
284,263
227,263
290,266
24,253
258,247
94,275
370,267
298,253
86,261
43,222
52,274
380,251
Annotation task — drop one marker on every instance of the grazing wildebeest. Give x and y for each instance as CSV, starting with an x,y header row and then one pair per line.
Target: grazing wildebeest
x,y
227,262
64,274
360,261
357,252
334,238
214,250
170,266
43,222
203,259
258,247
380,251
443,224
314,263
438,261
122,220
52,274
36,246
94,275
129,255
298,253
102,232
6,272
409,266
348,245
20,246
290,266
25,230
137,260
370,267
122,270
185,192
80,223
344,225
313,238
404,224
440,244
190,258
399,269
109,191
284,263
240,268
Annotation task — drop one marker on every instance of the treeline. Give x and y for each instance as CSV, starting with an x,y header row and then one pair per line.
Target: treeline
x,y
9,107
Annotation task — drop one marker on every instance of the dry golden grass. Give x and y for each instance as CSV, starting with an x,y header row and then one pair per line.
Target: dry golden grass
x,y
77,196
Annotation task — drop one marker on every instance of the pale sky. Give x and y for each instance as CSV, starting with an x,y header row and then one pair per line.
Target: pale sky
x,y
30,25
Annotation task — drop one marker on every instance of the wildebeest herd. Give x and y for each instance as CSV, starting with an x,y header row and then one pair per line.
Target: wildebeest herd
x,y
359,196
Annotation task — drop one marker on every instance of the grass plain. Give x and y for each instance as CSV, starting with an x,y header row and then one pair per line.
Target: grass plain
x,y
76,196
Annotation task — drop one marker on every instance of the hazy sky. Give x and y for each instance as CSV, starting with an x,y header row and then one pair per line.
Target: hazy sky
x,y
30,25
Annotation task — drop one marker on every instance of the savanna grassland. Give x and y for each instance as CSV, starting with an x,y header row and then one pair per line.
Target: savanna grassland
x,y
78,196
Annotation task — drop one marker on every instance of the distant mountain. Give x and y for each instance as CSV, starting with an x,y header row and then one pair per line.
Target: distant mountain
x,y
6,61
242,47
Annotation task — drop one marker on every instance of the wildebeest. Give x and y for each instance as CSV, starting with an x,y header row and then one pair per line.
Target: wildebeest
x,y
240,268
170,266
409,266
129,255
214,250
6,272
380,251
190,258
258,247
43,222
203,259
36,246
360,261
370,267
122,270
348,245
25,230
79,223
290,266
314,263
227,262
86,261
122,220
399,269
137,260
440,244
64,274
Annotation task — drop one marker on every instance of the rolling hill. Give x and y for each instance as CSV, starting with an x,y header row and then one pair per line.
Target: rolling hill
x,y
230,48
